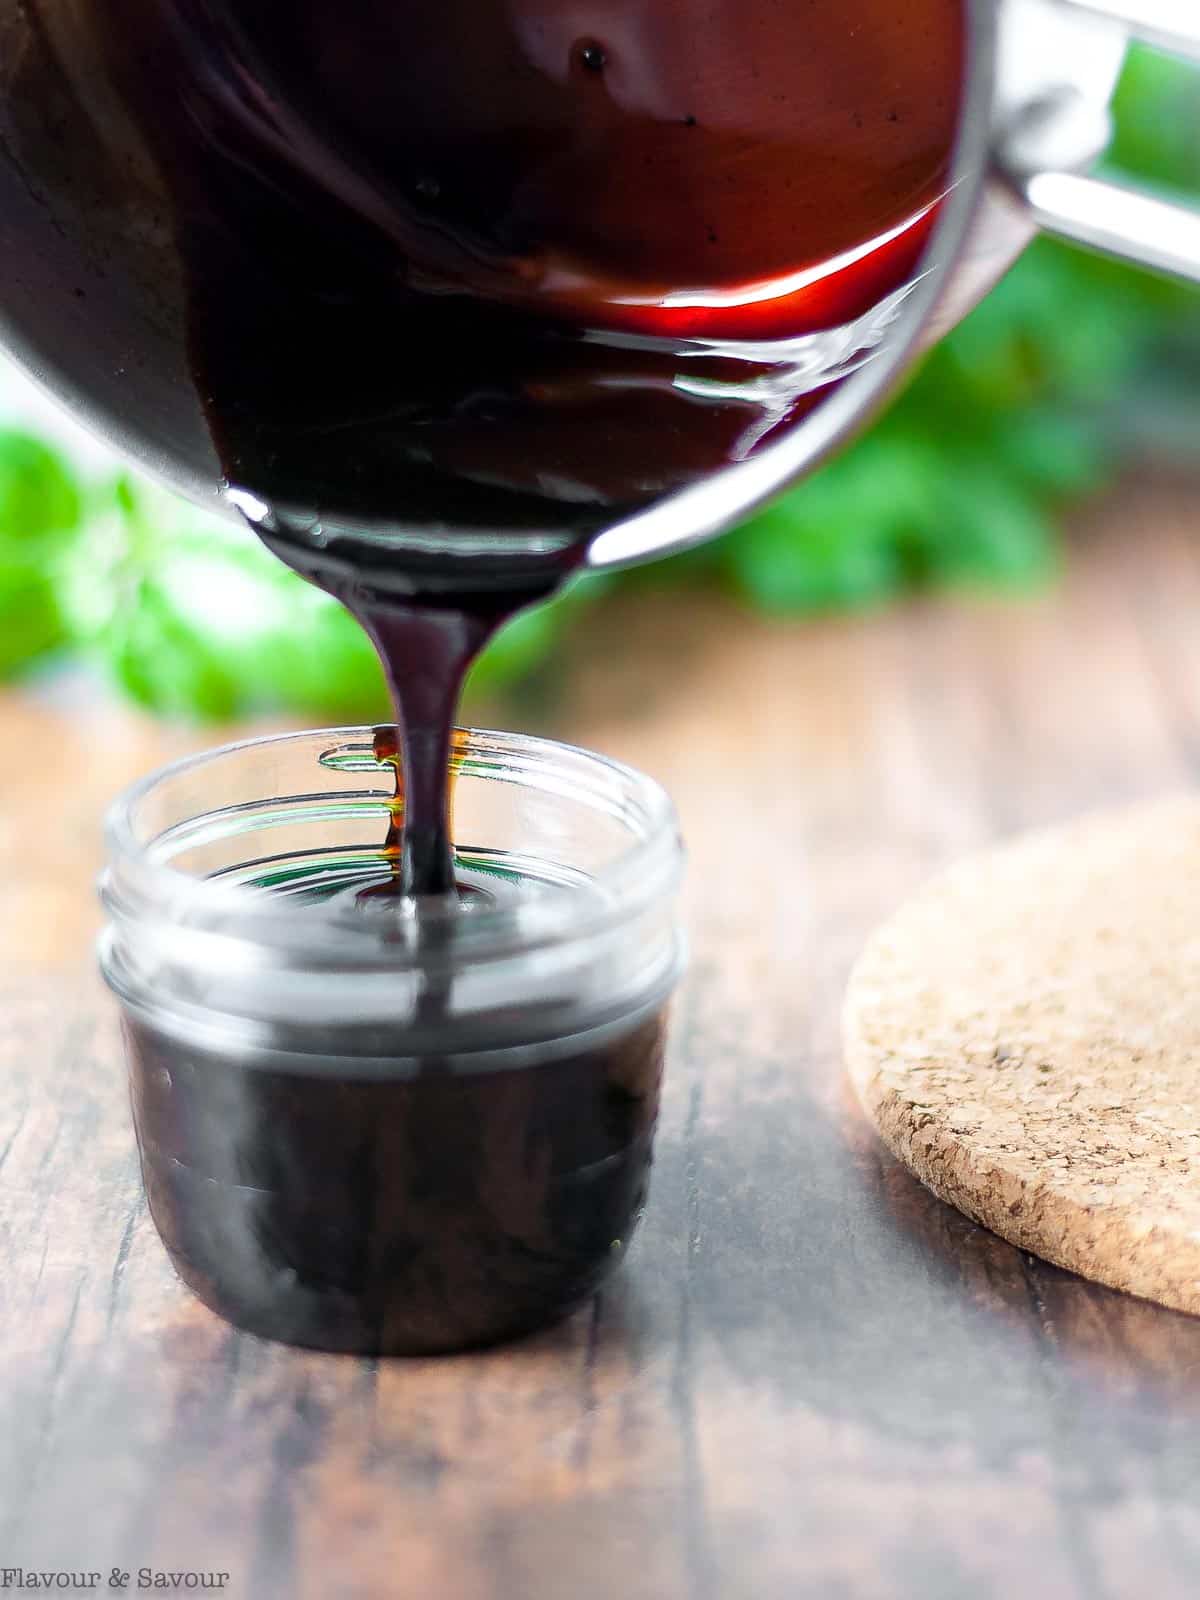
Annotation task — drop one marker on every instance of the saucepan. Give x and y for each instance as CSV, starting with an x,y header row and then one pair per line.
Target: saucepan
x,y
85,320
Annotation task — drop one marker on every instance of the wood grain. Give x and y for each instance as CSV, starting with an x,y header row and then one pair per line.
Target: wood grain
x,y
812,1378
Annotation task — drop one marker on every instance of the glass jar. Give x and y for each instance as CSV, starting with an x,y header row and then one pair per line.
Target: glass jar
x,y
366,1130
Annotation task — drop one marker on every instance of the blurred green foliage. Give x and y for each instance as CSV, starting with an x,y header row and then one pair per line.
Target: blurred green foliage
x,y
41,511
1071,364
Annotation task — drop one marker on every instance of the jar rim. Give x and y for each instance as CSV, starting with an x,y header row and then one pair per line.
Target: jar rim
x,y
136,885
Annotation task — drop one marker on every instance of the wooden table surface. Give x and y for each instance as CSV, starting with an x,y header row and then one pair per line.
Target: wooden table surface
x,y
811,1379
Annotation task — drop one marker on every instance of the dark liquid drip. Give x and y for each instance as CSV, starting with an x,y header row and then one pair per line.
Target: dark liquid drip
x,y
427,652
387,753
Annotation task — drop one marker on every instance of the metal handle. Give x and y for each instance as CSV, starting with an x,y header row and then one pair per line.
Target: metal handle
x,y
1043,150
1161,23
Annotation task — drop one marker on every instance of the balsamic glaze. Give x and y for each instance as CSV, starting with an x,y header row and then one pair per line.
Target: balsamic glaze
x,y
402,1215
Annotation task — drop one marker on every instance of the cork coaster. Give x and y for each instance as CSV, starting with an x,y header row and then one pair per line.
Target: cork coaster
x,y
1025,1035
